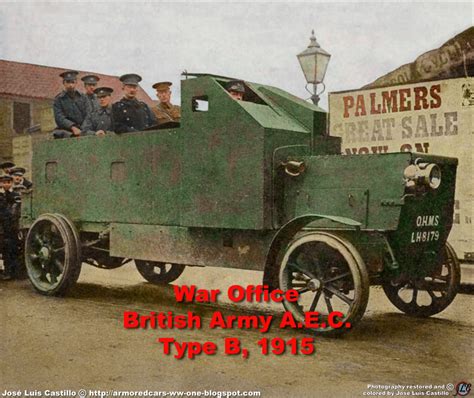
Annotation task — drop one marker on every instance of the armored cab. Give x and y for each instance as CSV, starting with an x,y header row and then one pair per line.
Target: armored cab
x,y
252,184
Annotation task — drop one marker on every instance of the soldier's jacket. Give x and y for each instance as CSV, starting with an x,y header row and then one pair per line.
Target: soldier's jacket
x,y
10,208
99,119
167,113
27,183
131,115
70,110
3,207
93,102
9,221
11,198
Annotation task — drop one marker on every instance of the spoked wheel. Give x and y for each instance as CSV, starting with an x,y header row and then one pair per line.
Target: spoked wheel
x,y
158,272
329,275
52,255
429,295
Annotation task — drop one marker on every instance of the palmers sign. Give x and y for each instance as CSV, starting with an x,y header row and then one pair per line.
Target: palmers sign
x,y
431,117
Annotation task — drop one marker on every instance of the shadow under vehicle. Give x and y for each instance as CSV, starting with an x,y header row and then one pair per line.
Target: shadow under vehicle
x,y
254,184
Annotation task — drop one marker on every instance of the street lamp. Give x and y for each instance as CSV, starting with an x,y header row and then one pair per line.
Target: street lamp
x,y
314,62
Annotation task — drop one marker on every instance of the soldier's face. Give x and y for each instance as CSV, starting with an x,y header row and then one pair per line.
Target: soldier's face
x,y
70,85
7,185
16,179
130,91
90,88
236,95
164,96
104,101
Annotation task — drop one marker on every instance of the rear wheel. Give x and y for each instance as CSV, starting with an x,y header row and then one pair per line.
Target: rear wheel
x,y
52,255
429,295
329,275
158,272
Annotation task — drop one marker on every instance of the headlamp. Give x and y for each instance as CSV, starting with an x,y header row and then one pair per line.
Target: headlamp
x,y
424,174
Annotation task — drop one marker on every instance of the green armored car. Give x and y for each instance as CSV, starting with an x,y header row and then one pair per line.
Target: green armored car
x,y
255,184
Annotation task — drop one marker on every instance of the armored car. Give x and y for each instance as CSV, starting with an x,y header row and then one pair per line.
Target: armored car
x,y
256,184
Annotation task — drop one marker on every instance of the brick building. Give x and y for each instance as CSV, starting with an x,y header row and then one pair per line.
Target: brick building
x,y
27,93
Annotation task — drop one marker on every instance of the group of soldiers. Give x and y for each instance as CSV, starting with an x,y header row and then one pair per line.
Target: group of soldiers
x,y
91,113
78,114
12,183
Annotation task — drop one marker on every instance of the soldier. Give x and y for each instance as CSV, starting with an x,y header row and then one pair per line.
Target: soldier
x,y
100,121
90,83
165,111
236,89
18,178
130,114
70,107
9,216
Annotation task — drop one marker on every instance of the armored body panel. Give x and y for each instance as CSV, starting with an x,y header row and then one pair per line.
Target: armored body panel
x,y
216,170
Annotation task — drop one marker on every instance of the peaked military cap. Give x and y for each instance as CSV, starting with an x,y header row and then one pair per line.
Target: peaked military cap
x,y
103,91
236,85
17,171
90,79
69,75
161,86
6,177
131,79
7,165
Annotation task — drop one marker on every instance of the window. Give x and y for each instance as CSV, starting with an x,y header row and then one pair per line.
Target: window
x,y
21,117
200,104
249,96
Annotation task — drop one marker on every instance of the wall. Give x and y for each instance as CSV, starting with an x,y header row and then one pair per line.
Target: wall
x,y
17,146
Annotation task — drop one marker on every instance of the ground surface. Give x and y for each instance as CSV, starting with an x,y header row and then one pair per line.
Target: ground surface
x,y
79,342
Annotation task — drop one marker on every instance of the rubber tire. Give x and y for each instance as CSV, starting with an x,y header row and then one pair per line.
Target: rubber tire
x,y
72,265
355,263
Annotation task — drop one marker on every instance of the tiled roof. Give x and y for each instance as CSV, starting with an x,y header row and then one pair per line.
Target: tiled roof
x,y
43,82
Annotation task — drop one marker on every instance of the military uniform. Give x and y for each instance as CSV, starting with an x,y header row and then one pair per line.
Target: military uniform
x,y
92,101
70,110
130,114
167,113
27,183
9,215
99,119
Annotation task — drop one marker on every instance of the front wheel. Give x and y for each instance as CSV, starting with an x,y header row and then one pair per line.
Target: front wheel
x,y
52,255
428,295
158,272
329,275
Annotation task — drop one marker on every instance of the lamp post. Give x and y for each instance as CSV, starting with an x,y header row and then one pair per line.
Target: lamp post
x,y
314,62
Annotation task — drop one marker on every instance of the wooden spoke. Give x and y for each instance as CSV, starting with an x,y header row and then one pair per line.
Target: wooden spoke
x,y
315,300
340,295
